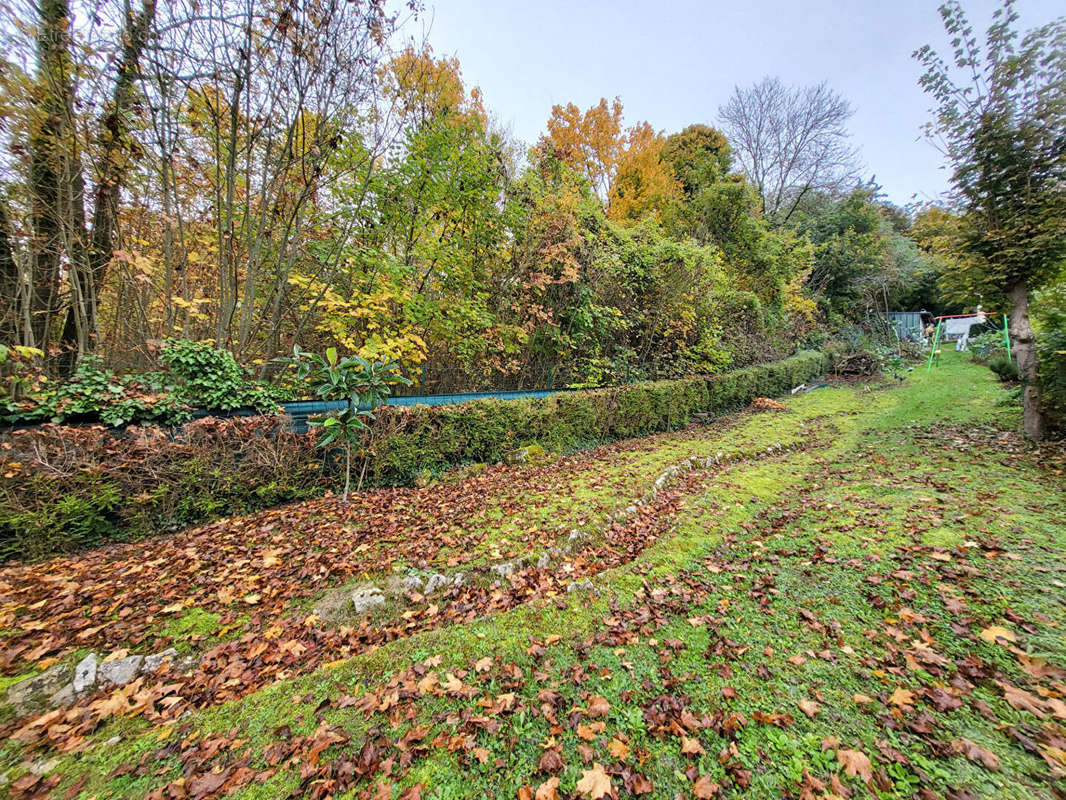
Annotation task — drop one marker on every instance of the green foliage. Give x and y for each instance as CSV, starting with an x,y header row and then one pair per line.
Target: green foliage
x,y
67,488
197,375
987,345
363,384
93,391
1049,317
82,514
209,377
413,439
1002,130
1006,368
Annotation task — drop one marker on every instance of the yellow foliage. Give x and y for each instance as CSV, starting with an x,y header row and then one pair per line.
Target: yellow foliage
x,y
424,87
644,182
367,324
796,304
590,141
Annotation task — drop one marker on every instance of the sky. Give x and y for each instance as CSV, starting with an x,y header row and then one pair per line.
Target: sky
x,y
674,62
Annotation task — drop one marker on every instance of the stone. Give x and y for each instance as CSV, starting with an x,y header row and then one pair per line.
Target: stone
x,y
514,458
31,694
579,586
121,670
411,583
367,598
544,561
42,766
576,538
64,697
458,579
85,673
186,663
504,569
436,581
153,662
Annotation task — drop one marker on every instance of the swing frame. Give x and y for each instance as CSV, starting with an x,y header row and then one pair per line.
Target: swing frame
x,y
934,352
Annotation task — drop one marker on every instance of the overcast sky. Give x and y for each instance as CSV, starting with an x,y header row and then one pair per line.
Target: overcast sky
x,y
673,62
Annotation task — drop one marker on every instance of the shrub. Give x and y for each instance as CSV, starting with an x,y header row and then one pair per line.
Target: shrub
x,y
209,377
197,375
1006,369
64,488
411,439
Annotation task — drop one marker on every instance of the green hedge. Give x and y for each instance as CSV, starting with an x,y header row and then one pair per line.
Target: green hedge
x,y
410,439
65,488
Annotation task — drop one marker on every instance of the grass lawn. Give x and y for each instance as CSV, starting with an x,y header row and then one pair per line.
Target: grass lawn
x,y
877,611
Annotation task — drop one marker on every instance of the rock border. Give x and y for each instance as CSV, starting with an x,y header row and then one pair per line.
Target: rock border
x,y
367,596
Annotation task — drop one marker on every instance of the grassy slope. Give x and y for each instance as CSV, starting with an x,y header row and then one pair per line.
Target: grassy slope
x,y
827,530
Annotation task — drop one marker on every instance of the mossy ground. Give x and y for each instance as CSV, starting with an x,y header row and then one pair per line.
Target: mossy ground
x,y
914,516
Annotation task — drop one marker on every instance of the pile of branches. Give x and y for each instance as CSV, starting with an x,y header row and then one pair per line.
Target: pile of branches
x,y
858,363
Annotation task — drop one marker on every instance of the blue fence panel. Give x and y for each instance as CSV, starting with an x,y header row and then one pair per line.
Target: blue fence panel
x,y
302,409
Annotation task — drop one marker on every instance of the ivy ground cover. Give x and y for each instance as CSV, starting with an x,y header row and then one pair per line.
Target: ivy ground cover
x,y
877,611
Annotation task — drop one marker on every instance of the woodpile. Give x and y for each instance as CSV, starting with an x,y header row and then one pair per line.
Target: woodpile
x,y
858,363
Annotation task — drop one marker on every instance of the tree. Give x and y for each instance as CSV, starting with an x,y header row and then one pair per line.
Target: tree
x,y
73,181
362,385
790,141
999,119
699,156
644,182
591,141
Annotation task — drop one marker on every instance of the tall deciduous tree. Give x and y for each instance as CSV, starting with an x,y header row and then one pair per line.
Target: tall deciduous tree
x,y
790,142
644,182
999,119
589,141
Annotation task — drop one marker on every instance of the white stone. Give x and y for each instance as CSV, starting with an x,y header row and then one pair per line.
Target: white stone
x,y
367,598
63,697
85,673
436,581
27,696
121,670
411,583
504,569
579,586
44,766
153,662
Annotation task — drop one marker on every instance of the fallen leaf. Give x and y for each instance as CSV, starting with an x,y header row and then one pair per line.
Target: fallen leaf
x,y
809,707
595,783
996,634
704,788
691,746
549,790
855,762
975,752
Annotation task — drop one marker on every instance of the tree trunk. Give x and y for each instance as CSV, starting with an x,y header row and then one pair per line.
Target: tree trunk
x,y
10,280
1024,351
48,147
89,264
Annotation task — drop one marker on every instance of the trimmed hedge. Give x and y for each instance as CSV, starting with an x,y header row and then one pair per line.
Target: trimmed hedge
x,y
411,439
64,488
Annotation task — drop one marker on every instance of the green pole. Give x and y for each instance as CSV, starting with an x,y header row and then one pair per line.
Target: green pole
x,y
1006,337
936,340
